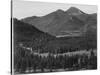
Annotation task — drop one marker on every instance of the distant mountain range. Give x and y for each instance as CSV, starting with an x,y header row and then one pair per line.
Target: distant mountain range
x,y
72,22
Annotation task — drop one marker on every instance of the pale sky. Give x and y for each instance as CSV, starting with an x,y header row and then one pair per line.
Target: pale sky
x,y
22,9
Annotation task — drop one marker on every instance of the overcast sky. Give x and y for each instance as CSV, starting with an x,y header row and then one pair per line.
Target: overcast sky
x,y
22,9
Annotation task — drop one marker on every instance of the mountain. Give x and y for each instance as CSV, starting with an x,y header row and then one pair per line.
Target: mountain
x,y
77,13
29,35
61,23
24,31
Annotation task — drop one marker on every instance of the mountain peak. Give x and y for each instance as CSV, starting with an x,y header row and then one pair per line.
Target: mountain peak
x,y
74,11
73,8
59,11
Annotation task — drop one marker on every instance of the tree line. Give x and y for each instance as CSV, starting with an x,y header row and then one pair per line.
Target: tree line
x,y
24,60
